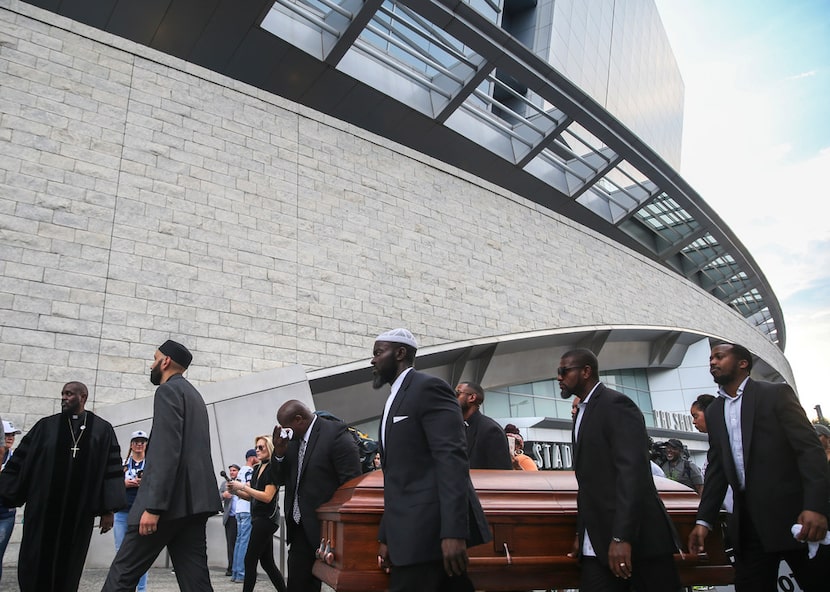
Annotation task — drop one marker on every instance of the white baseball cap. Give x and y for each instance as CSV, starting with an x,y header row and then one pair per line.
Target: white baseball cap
x,y
399,335
9,428
139,434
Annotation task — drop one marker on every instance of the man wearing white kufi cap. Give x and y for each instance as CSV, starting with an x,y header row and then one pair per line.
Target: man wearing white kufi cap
x,y
431,511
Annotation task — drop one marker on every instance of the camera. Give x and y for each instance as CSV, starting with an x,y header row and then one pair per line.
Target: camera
x,y
658,452
139,473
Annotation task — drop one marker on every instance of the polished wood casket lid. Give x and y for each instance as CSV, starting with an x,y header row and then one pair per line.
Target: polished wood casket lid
x,y
532,516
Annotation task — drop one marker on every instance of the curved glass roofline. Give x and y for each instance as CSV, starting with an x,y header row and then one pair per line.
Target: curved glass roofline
x,y
456,66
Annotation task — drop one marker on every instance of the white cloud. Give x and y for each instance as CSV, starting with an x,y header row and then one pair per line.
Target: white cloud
x,y
803,75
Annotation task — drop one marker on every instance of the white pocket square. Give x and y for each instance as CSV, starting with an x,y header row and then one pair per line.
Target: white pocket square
x,y
398,418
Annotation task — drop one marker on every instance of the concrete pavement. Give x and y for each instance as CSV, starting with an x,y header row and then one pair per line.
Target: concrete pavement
x,y
160,580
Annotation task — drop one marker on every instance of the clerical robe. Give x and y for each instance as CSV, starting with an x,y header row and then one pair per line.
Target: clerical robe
x,y
63,494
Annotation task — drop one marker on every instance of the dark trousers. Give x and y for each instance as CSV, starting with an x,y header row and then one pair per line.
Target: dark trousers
x,y
184,539
427,577
230,538
261,550
654,574
300,561
757,570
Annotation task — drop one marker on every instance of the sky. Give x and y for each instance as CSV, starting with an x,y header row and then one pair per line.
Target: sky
x,y
756,147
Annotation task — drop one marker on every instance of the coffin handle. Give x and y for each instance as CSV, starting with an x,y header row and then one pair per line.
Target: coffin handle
x,y
507,554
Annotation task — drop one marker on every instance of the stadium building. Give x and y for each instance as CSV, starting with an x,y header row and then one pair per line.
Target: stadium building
x,y
275,183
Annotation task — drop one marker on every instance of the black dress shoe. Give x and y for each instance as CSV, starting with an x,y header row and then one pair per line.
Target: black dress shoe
x,y
228,572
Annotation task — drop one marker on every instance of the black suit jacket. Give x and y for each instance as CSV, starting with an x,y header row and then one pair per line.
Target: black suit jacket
x,y
427,494
487,446
331,458
785,467
178,481
617,496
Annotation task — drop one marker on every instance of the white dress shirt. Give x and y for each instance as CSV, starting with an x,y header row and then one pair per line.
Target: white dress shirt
x,y
395,387
587,547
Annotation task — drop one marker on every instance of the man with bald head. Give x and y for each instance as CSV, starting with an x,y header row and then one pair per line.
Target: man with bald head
x,y
316,456
67,470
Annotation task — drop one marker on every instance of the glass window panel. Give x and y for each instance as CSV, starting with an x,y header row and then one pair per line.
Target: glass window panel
x,y
521,406
563,408
522,389
496,404
542,398
544,388
544,407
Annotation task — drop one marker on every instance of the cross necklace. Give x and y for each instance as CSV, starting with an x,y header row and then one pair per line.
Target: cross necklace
x,y
75,440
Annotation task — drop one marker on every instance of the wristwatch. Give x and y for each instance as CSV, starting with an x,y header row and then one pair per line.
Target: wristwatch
x,y
618,540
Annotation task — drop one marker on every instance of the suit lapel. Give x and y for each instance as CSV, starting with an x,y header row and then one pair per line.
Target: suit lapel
x,y
471,431
396,404
312,441
747,418
585,413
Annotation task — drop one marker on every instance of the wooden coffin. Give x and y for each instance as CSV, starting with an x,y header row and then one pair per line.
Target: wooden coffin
x,y
532,516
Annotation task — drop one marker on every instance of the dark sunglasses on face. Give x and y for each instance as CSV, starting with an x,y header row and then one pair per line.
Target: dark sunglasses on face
x,y
563,371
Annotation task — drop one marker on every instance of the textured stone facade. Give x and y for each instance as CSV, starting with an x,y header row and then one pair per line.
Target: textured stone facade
x,y
143,198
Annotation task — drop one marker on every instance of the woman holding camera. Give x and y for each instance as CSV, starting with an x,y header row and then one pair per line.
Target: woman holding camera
x,y
133,470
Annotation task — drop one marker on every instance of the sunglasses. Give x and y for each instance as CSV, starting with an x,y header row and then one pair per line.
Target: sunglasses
x,y
260,447
563,371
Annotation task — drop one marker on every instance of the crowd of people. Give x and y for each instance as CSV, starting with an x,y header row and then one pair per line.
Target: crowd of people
x,y
767,465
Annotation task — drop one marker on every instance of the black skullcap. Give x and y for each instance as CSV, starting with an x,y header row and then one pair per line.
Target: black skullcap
x,y
176,352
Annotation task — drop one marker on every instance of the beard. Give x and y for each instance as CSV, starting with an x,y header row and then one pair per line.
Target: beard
x,y
155,376
722,378
71,408
378,381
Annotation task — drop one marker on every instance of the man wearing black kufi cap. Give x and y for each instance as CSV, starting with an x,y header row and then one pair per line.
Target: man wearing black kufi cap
x,y
178,490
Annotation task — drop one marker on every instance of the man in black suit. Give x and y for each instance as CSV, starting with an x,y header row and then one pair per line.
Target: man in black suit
x,y
487,446
431,510
178,489
625,538
317,458
762,444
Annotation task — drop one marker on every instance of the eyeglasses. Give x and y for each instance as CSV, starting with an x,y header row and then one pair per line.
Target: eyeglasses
x,y
563,371
260,447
